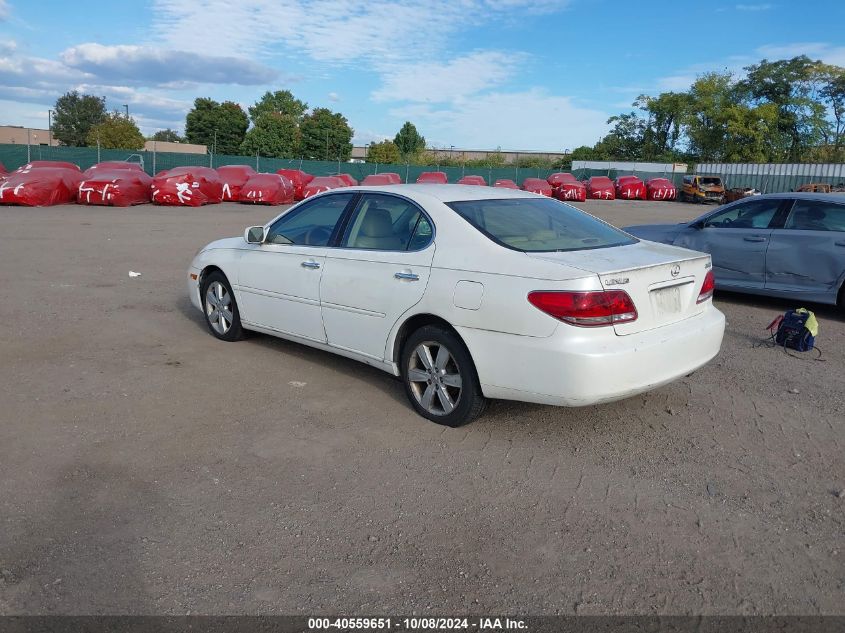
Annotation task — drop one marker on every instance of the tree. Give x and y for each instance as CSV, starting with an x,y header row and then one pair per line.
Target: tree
x,y
384,152
219,126
75,115
116,132
167,136
832,94
274,135
278,102
664,124
625,139
710,97
326,135
408,140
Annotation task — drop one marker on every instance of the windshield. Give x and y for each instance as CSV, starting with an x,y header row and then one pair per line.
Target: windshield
x,y
710,181
532,225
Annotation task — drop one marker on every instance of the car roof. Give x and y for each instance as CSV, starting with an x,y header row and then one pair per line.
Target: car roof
x,y
447,193
801,195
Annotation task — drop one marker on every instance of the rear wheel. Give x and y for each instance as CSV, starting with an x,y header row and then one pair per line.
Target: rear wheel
x,y
220,308
440,377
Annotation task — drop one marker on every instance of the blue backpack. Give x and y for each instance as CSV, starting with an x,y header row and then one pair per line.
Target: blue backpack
x,y
793,331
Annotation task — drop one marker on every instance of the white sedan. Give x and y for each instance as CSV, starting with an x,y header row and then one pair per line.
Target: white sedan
x,y
467,293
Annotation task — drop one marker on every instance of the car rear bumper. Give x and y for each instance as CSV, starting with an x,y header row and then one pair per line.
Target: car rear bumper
x,y
582,366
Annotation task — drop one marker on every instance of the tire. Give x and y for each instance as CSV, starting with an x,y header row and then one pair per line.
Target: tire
x,y
443,389
225,324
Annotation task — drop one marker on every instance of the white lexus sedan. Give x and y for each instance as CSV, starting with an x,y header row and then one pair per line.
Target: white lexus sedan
x,y
467,293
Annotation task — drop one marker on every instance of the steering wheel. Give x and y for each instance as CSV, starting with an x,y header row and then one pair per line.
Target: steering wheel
x,y
323,232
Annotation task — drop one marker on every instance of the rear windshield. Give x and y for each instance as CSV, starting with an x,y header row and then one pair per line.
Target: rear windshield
x,y
536,225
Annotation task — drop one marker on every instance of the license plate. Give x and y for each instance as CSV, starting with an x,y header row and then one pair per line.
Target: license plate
x,y
667,300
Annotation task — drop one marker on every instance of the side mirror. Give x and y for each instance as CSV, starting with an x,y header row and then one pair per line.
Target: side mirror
x,y
255,235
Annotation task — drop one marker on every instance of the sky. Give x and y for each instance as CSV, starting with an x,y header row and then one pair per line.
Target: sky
x,y
475,74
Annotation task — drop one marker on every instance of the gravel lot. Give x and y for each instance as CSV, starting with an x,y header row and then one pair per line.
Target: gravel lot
x,y
148,468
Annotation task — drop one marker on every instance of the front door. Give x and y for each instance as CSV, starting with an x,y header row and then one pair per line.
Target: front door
x,y
380,271
279,280
737,237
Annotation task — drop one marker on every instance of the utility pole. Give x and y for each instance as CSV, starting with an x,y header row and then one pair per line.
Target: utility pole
x,y
327,145
213,150
126,105
28,151
49,128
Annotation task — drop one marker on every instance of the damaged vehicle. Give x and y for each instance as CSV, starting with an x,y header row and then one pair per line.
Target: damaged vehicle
x,y
789,245
697,188
467,294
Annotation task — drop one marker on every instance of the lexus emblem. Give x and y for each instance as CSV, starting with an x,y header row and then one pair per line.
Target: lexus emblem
x,y
676,270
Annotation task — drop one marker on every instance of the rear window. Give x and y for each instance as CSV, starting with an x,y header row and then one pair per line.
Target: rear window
x,y
536,225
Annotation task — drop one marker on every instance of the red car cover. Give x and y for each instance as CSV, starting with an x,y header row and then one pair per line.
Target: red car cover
x,y
299,179
187,186
378,179
630,188
505,183
348,179
321,184
267,189
572,191
557,179
396,178
40,186
661,189
118,187
3,170
473,180
435,177
601,187
48,163
232,178
537,185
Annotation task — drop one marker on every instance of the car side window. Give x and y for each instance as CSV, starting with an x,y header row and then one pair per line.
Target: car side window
x,y
756,214
385,223
816,215
310,224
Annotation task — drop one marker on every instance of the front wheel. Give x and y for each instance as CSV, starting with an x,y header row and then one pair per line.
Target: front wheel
x,y
440,377
220,308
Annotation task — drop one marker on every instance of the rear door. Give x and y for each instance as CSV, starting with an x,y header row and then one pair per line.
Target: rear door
x,y
807,255
380,270
737,237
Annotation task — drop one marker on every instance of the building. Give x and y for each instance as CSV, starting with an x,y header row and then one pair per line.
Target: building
x,y
18,135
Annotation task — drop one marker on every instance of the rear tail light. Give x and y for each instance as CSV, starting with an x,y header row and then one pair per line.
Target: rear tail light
x,y
593,308
707,287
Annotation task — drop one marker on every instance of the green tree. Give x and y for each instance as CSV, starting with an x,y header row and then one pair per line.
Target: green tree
x,y
274,135
116,131
326,135
166,136
384,152
278,102
625,139
408,140
788,84
664,124
209,122
585,152
711,95
832,94
75,115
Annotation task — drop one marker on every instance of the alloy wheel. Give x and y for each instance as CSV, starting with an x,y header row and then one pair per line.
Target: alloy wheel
x,y
435,378
218,307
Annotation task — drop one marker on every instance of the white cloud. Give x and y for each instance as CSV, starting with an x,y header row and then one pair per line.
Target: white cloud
x,y
4,10
334,97
754,7
828,53
461,77
519,120
138,64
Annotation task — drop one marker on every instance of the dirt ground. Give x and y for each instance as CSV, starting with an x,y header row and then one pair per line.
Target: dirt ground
x,y
148,468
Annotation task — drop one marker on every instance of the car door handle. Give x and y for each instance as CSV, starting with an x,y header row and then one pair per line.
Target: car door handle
x,y
310,264
754,239
407,276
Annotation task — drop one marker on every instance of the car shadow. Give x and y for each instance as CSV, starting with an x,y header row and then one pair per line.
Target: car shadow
x,y
779,305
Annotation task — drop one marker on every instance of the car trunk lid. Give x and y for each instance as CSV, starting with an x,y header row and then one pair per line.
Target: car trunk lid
x,y
663,281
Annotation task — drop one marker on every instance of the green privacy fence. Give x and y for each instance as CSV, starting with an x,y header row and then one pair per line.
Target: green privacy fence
x,y
13,156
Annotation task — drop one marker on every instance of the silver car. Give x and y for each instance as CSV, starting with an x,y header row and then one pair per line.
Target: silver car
x,y
789,245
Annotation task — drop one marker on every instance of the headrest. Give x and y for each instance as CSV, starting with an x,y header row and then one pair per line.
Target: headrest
x,y
377,223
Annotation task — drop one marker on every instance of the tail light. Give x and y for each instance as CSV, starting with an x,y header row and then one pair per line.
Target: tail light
x,y
707,287
593,308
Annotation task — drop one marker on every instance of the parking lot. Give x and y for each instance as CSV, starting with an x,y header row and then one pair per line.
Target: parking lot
x,y
149,468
